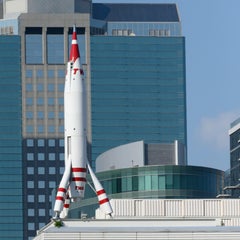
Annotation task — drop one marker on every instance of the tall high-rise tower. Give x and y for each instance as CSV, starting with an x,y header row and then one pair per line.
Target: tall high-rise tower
x,y
138,76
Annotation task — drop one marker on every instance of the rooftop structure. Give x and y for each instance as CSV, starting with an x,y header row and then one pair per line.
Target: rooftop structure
x,y
156,219
139,154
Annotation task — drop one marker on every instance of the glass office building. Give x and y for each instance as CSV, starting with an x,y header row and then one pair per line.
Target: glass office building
x,y
138,91
11,165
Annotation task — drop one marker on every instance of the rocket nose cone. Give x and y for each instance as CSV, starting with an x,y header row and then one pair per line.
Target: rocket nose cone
x,y
74,35
74,52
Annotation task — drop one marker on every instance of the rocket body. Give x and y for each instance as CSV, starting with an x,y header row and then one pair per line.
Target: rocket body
x,y
75,127
72,185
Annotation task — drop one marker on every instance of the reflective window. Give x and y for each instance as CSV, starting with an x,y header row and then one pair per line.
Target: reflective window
x,y
30,212
50,115
30,184
41,170
30,198
31,226
40,128
50,101
55,46
29,115
30,170
40,87
40,101
61,156
41,224
40,142
52,170
41,184
61,142
29,73
41,198
60,87
51,128
61,170
39,73
30,156
29,142
50,87
41,156
41,212
61,115
51,156
61,129
34,45
61,73
29,87
29,129
50,73
51,142
52,184
60,101
29,101
40,114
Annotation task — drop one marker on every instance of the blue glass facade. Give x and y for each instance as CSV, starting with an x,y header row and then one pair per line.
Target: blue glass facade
x,y
11,185
138,91
234,133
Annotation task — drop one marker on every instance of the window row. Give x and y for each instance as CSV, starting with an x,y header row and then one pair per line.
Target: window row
x,y
51,87
41,212
42,129
31,226
45,156
40,198
50,73
41,184
42,170
198,183
143,29
42,115
40,101
55,45
43,142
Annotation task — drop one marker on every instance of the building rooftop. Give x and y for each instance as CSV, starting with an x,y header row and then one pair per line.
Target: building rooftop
x,y
154,219
135,12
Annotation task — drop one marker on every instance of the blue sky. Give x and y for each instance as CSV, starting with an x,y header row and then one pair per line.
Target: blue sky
x,y
212,31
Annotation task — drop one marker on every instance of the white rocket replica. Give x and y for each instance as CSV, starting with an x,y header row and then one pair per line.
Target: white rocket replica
x,y
72,185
